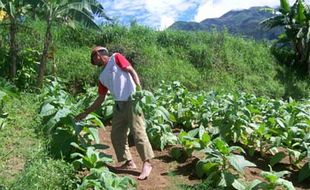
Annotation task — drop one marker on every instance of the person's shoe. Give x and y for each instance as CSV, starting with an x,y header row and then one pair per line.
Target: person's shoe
x,y
146,171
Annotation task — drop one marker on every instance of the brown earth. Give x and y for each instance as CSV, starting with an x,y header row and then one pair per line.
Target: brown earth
x,y
166,173
262,165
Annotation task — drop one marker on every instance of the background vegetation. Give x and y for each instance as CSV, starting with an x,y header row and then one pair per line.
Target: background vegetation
x,y
209,61
200,60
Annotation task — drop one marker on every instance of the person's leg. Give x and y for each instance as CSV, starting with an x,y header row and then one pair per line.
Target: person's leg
x,y
146,170
119,136
144,148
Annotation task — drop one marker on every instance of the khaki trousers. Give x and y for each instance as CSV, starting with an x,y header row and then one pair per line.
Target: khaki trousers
x,y
124,119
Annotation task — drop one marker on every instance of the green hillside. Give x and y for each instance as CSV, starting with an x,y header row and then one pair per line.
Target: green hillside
x,y
200,60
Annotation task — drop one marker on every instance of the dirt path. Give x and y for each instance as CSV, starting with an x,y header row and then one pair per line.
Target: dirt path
x,y
162,173
168,174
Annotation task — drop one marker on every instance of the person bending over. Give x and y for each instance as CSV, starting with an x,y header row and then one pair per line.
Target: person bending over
x,y
121,79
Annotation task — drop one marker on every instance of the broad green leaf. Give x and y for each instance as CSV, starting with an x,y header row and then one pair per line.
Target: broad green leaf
x,y
86,162
180,110
280,122
287,184
301,17
94,134
205,139
201,131
238,185
277,158
227,179
236,148
295,153
108,111
76,154
94,119
239,163
269,176
47,109
221,146
193,133
164,113
206,168
304,173
74,144
93,158
62,113
172,118
281,173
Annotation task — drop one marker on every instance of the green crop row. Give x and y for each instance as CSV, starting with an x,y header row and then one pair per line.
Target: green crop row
x,y
211,121
77,142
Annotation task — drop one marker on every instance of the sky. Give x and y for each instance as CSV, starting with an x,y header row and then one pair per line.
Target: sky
x,y
160,14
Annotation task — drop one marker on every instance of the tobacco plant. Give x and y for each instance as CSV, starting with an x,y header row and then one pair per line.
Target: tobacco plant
x,y
102,178
273,180
158,120
222,164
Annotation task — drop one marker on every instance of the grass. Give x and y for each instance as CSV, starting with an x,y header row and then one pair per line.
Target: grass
x,y
24,163
46,173
18,138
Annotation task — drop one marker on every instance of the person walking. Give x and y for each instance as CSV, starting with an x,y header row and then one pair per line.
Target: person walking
x,y
121,79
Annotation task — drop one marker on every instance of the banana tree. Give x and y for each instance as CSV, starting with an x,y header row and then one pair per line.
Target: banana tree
x,y
295,21
12,11
66,11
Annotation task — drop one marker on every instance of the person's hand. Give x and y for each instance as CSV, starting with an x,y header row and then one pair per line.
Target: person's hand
x,y
81,116
138,88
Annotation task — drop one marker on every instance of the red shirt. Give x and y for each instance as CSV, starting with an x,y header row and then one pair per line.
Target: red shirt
x,y
123,63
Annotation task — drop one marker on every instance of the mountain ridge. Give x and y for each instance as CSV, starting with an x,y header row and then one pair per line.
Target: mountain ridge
x,y
245,22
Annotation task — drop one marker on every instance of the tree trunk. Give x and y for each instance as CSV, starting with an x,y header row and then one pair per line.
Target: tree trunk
x,y
13,47
44,58
308,62
307,58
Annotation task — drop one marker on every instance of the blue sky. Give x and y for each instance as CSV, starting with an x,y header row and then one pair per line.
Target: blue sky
x,y
160,14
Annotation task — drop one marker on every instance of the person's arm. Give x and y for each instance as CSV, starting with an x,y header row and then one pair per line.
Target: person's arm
x,y
124,64
95,105
134,75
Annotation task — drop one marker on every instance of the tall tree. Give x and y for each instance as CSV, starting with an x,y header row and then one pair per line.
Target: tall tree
x,y
66,11
296,22
14,10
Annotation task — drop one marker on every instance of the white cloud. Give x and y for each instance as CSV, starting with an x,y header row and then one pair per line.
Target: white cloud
x,y
159,13
166,11
216,8
166,22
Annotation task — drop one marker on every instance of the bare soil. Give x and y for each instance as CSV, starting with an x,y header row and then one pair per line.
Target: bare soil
x,y
168,174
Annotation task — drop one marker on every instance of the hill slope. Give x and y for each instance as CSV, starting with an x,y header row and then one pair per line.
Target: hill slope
x,y
199,60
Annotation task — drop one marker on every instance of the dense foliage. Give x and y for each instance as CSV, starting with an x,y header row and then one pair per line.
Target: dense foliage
x,y
213,123
295,20
233,100
205,61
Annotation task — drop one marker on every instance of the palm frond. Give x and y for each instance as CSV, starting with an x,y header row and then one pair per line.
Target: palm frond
x,y
300,16
275,21
82,15
285,6
1,5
